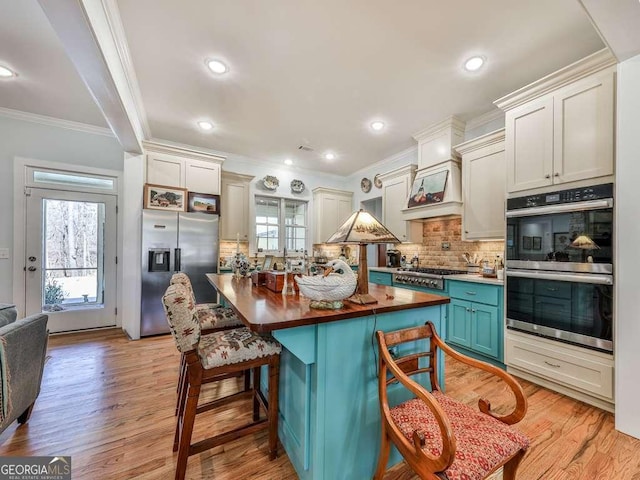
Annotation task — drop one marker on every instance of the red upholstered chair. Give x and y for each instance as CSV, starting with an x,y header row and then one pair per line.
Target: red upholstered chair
x,y
439,437
214,357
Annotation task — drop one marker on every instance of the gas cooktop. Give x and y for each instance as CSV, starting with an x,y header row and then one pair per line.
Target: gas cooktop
x,y
424,277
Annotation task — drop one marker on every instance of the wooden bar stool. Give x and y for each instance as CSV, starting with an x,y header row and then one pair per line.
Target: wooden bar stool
x,y
213,317
214,357
439,437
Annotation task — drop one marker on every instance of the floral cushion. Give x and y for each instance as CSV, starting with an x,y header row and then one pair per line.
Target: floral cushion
x,y
482,441
182,317
234,346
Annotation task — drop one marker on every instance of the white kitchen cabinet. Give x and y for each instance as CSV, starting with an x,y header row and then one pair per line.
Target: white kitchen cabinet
x,y
235,200
483,187
331,208
578,372
560,129
177,167
396,186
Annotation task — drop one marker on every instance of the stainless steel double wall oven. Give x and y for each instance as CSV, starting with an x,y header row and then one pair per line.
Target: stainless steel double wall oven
x,y
559,259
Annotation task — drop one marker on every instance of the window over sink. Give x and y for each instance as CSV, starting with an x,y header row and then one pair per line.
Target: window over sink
x,y
280,223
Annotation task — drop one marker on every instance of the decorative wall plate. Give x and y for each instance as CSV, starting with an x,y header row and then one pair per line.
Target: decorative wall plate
x,y
297,186
376,181
270,182
365,185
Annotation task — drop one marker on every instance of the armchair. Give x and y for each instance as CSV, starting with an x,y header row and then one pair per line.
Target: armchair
x,y
23,346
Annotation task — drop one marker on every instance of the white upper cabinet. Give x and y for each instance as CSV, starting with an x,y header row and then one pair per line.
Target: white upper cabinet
x,y
177,167
560,129
396,186
331,208
483,187
234,200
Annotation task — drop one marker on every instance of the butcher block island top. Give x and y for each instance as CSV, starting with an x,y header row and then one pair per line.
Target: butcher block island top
x,y
263,310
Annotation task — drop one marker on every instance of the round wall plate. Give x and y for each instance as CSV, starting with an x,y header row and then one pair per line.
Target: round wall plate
x,y
365,185
376,181
297,186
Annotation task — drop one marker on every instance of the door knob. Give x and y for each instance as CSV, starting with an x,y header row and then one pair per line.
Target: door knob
x,y
32,259
32,269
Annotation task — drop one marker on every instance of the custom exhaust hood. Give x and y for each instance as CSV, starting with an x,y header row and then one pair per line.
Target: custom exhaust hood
x,y
436,189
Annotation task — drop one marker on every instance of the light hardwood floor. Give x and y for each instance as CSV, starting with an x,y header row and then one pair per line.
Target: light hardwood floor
x,y
109,402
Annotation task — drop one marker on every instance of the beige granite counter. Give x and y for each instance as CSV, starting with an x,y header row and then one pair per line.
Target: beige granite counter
x,y
383,269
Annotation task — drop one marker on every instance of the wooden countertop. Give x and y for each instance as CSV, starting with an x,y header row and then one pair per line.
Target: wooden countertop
x,y
263,310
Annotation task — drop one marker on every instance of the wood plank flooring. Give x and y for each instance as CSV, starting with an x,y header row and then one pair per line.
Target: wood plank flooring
x,y
109,402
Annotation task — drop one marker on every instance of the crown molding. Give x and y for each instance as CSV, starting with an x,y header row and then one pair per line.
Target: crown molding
x,y
55,122
406,169
159,146
490,116
449,124
491,138
385,161
582,68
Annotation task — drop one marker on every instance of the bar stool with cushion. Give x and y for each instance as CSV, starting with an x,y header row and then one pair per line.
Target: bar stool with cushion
x,y
439,437
213,317
214,357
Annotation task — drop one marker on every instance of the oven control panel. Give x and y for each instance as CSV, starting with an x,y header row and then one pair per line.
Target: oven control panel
x,y
564,196
418,281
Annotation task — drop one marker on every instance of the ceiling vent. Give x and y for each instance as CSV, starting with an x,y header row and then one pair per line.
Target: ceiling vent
x,y
305,148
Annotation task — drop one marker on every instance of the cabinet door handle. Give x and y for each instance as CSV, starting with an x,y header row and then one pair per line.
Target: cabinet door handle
x,y
556,174
468,309
552,289
552,364
547,176
473,310
470,293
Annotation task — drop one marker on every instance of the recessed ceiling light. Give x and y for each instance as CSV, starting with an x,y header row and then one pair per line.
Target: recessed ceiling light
x,y
473,64
377,126
216,66
330,156
205,125
288,161
6,72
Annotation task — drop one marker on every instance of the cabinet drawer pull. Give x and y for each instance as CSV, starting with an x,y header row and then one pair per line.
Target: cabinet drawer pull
x,y
470,293
552,289
552,364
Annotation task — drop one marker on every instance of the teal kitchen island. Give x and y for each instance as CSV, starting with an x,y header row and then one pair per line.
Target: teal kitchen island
x,y
329,413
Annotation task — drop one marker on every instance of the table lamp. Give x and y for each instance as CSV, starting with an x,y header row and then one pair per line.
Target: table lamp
x,y
584,243
362,228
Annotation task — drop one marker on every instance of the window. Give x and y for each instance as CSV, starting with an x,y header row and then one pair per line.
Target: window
x,y
280,223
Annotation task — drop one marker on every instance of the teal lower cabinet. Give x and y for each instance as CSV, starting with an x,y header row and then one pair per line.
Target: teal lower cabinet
x,y
328,393
381,278
474,327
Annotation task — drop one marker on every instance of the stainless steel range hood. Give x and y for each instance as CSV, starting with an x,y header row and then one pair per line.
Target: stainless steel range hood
x,y
437,187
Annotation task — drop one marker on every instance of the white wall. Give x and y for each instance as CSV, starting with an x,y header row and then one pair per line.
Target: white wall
x,y
627,273
19,138
285,174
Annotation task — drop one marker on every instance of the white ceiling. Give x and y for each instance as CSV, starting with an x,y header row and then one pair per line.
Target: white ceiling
x,y
47,83
304,71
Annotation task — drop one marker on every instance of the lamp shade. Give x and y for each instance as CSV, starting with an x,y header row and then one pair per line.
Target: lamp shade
x,y
362,227
585,243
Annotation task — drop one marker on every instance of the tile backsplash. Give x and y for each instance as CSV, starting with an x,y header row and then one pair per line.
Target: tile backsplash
x,y
449,230
430,252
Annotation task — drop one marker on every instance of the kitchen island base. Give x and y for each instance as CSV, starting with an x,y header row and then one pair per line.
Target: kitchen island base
x,y
329,410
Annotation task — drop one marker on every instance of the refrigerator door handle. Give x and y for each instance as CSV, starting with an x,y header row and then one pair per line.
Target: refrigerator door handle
x,y
177,263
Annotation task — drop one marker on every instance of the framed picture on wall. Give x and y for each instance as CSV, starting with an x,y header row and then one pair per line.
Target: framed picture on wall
x,y
204,202
527,243
268,259
561,241
160,197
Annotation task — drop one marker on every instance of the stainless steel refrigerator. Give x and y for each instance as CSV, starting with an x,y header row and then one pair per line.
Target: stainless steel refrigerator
x,y
175,242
